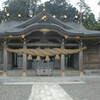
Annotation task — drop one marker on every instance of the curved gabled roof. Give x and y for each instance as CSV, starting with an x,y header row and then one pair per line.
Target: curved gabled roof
x,y
71,28
38,26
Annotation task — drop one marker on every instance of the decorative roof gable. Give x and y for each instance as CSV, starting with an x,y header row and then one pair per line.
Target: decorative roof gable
x,y
43,17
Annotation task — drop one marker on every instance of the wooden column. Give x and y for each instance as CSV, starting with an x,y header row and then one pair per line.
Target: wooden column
x,y
63,73
99,53
81,59
29,64
5,59
24,60
57,64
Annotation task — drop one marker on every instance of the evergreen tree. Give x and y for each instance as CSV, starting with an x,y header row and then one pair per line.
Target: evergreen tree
x,y
99,3
23,7
88,17
1,16
97,27
59,8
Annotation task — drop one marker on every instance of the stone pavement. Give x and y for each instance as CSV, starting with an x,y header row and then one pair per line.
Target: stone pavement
x,y
39,80
50,88
44,88
48,92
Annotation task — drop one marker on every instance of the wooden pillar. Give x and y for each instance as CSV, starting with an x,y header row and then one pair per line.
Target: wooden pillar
x,y
13,60
66,61
29,64
99,54
57,64
5,59
24,60
63,73
81,59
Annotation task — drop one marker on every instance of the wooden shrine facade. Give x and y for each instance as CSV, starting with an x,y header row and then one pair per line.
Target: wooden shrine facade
x,y
43,32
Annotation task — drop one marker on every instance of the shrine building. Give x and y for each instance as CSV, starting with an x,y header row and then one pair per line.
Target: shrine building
x,y
44,43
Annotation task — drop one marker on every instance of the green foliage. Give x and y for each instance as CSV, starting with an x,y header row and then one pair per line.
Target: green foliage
x,y
90,21
59,8
99,3
97,27
84,7
71,12
23,7
16,7
1,16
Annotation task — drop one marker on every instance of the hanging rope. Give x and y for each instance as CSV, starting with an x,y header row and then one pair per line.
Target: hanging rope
x,y
38,58
30,57
47,58
46,52
57,57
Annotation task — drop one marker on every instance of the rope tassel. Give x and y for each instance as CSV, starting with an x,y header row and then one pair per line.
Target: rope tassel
x,y
47,58
57,57
30,57
38,58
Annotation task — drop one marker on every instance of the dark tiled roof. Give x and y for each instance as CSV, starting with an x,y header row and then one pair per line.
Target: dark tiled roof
x,y
13,27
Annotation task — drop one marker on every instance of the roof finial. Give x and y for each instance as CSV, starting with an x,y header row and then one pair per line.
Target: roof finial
x,y
44,7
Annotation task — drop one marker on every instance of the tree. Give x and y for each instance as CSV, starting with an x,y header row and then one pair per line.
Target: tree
x,y
33,6
99,3
59,8
1,16
85,9
97,27
7,2
15,7
88,19
23,7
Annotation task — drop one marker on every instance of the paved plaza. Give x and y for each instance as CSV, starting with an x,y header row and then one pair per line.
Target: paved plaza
x,y
48,92
50,88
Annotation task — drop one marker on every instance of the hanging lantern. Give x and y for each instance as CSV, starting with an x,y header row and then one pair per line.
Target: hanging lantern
x,y
19,15
57,57
23,36
10,36
44,9
66,36
47,58
78,37
38,58
30,57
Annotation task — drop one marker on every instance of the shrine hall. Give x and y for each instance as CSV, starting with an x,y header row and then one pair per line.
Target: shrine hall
x,y
44,43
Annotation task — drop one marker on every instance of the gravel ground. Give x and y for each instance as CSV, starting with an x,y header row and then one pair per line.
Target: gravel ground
x,y
15,92
88,91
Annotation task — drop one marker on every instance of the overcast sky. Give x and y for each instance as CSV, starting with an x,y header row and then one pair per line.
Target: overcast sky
x,y
92,3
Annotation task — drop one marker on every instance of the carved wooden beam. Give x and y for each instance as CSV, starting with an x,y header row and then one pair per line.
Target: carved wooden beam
x,y
42,44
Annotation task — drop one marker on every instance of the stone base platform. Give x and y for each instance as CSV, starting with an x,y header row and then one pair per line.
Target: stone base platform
x,y
32,72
